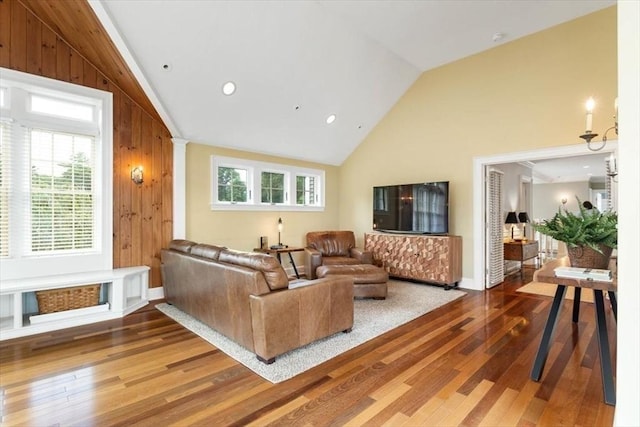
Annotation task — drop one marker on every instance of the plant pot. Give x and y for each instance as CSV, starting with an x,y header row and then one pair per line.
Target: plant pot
x,y
586,257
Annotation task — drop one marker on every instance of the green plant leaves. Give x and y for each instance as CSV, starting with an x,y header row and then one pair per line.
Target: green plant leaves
x,y
589,227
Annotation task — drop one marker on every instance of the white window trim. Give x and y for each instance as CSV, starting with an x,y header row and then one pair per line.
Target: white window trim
x,y
255,168
34,266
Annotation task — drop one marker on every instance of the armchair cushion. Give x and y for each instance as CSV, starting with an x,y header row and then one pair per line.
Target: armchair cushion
x,y
331,243
333,248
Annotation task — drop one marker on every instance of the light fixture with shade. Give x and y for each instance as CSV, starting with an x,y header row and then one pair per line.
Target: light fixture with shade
x,y
589,134
512,218
523,218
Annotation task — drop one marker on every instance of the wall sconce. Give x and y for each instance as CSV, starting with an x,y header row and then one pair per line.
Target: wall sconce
x,y
612,168
511,219
136,175
564,201
588,134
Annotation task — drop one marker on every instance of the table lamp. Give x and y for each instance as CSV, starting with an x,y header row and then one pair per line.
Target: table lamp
x,y
512,218
279,245
524,218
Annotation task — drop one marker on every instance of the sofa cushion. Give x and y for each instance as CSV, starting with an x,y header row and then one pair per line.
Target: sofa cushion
x,y
207,251
181,245
269,266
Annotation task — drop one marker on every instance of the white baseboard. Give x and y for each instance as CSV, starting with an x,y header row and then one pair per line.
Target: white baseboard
x,y
155,293
467,283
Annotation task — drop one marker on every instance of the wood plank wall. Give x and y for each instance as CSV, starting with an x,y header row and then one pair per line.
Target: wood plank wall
x,y
142,214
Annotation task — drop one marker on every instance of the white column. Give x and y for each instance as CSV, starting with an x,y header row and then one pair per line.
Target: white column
x,y
628,353
179,187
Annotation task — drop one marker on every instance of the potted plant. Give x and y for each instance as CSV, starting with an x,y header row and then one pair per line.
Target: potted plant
x,y
590,235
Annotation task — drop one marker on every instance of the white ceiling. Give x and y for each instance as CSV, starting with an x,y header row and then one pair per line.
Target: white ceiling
x,y
296,62
590,167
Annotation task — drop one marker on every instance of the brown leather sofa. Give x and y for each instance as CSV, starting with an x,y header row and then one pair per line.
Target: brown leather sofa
x,y
333,248
246,297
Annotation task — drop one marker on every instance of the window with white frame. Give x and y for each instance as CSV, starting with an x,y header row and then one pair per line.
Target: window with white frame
x,y
55,177
280,187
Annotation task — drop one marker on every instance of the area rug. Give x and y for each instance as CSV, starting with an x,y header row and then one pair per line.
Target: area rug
x,y
549,289
405,302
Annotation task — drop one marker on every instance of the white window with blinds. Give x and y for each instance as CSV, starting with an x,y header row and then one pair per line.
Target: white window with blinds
x,y
55,177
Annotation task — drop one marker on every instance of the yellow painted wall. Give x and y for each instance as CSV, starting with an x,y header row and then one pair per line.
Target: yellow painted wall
x,y
242,229
518,96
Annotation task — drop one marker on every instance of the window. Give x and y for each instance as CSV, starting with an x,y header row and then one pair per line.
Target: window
x,y
62,202
232,185
306,190
272,187
235,181
55,177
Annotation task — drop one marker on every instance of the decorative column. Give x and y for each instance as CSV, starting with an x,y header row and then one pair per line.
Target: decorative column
x,y
179,187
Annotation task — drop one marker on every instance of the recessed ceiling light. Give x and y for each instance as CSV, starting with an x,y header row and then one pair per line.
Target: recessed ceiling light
x,y
229,88
167,67
585,167
331,119
497,37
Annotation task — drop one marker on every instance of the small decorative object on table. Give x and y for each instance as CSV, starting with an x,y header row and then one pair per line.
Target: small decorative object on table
x,y
590,235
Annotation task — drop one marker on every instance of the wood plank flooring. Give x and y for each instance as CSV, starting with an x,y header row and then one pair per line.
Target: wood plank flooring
x,y
464,364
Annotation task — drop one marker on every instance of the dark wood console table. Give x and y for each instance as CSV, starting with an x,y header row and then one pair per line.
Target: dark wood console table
x,y
286,250
520,251
546,274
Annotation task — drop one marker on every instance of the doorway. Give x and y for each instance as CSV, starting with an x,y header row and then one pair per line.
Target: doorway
x,y
480,216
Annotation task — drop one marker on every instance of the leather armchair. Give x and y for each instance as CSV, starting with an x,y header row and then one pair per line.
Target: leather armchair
x,y
333,248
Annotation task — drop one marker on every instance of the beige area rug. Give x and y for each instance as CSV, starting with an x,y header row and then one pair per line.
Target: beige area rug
x,y
549,289
405,302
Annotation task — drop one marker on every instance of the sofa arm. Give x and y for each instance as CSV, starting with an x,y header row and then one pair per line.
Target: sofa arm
x,y
365,257
312,260
288,319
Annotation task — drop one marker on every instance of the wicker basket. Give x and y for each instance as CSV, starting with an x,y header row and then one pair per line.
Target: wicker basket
x,y
585,257
55,300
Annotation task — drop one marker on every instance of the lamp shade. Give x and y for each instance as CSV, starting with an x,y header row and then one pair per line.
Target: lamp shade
x,y
523,217
511,218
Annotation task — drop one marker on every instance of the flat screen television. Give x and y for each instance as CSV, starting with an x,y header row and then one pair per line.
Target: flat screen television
x,y
421,208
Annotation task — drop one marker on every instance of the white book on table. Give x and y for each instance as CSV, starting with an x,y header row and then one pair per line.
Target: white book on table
x,y
584,273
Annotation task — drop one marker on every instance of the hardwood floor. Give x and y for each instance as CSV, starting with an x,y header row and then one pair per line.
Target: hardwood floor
x,y
466,363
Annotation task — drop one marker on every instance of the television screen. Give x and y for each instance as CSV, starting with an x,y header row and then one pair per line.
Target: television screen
x,y
412,208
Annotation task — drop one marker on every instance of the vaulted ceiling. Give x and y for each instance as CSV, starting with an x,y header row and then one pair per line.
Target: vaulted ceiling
x,y
294,63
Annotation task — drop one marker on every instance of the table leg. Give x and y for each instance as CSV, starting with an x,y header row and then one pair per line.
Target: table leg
x,y
294,266
545,343
576,304
603,345
614,304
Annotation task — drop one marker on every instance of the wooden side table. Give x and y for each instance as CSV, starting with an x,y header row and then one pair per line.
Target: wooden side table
x,y
521,251
278,251
546,274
